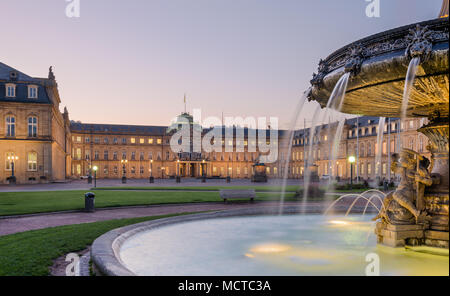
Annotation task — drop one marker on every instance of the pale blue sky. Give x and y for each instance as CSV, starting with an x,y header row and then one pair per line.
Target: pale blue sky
x,y
131,61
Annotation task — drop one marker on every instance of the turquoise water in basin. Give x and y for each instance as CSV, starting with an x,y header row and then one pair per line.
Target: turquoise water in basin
x,y
273,245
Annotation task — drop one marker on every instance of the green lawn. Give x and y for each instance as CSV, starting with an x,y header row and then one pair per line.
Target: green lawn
x,y
31,252
15,203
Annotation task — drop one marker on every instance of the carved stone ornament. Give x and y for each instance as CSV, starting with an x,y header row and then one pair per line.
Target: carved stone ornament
x,y
317,79
355,59
419,43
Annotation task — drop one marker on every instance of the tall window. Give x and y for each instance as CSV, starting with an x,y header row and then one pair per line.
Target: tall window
x,y
105,155
32,161
32,92
32,126
10,126
11,90
8,161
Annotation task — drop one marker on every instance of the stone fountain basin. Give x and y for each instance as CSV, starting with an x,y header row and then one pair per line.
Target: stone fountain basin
x,y
377,90
255,241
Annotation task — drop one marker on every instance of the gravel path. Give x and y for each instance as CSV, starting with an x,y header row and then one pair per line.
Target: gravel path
x,y
32,222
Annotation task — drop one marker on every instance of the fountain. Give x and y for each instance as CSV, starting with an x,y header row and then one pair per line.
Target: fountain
x,y
277,240
402,73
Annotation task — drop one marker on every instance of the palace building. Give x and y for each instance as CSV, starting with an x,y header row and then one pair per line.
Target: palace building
x,y
39,144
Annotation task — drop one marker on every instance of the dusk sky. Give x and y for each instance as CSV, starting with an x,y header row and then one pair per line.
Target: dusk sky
x,y
130,62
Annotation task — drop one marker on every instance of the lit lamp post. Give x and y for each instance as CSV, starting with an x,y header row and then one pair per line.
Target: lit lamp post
x,y
124,177
352,160
95,168
151,179
12,160
178,178
203,172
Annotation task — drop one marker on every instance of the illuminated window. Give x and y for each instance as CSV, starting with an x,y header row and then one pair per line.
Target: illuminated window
x,y
133,140
141,141
9,161
158,141
150,141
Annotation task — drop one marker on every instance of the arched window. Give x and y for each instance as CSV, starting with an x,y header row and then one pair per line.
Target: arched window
x,y
32,126
10,126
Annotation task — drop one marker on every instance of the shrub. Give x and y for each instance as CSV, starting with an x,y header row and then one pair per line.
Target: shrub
x,y
314,191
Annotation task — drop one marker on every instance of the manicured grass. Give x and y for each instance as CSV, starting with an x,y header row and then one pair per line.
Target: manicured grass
x,y
290,188
15,203
31,252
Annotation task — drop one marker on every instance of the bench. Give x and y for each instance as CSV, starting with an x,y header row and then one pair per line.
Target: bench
x,y
235,193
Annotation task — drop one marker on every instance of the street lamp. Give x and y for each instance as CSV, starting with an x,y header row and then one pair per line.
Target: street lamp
x,y
178,178
352,160
151,180
95,168
203,172
124,177
12,160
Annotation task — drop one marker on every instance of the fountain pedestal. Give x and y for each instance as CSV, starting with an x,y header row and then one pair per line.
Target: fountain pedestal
x,y
413,235
399,235
436,197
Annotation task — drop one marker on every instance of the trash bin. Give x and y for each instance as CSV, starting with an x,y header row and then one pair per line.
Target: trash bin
x,y
89,202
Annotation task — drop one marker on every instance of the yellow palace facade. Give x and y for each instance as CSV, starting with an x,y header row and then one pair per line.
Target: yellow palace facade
x,y
40,144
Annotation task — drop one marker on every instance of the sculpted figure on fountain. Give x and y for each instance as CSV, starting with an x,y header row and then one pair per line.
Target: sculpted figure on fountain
x,y
406,204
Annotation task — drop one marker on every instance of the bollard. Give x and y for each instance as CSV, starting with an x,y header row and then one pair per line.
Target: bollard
x,y
124,180
151,180
228,179
89,202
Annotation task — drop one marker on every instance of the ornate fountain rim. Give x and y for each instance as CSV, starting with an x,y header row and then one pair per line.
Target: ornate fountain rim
x,y
384,42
